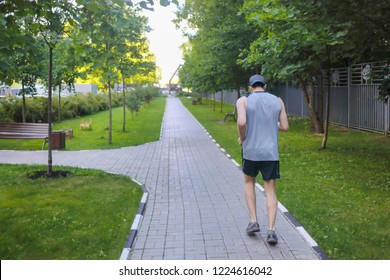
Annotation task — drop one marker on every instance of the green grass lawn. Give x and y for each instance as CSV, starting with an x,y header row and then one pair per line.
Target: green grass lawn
x,y
142,128
86,215
341,195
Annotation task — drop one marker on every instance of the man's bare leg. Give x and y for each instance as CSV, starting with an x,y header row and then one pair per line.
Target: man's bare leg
x,y
250,197
272,202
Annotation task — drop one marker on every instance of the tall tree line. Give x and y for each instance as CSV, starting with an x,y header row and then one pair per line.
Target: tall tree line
x,y
289,40
56,41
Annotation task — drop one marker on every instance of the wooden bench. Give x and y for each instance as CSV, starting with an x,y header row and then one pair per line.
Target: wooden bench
x,y
232,115
25,131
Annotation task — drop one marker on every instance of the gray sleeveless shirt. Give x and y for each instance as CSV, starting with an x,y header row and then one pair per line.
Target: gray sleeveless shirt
x,y
261,137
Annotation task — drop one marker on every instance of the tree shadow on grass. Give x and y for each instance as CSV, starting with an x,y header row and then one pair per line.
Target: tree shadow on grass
x,y
44,174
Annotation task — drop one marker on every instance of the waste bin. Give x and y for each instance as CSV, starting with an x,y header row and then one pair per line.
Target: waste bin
x,y
58,139
69,133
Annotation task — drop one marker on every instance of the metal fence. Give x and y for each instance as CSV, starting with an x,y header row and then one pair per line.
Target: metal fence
x,y
353,98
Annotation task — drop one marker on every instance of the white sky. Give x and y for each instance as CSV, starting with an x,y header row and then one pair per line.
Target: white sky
x,y
165,40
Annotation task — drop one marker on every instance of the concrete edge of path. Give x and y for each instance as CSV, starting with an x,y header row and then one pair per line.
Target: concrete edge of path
x,y
136,223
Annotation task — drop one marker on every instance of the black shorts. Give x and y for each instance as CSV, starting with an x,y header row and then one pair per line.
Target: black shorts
x,y
269,169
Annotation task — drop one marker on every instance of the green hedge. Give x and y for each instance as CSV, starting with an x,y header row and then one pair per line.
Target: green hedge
x,y
72,106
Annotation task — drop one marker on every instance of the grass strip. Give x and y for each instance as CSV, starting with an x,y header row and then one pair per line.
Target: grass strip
x,y
86,215
141,128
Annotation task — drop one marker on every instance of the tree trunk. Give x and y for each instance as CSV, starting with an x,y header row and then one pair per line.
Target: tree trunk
x,y
49,114
221,101
59,103
124,103
320,101
316,126
23,104
110,114
327,111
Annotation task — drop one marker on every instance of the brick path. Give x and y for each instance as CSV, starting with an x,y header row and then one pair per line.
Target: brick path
x,y
195,207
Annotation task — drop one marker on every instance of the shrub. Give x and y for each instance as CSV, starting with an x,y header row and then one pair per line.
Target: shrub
x,y
133,103
36,109
116,99
77,105
146,94
101,101
5,109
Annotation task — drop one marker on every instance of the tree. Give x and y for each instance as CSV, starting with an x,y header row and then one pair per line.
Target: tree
x,y
134,104
18,58
367,36
50,20
68,60
384,88
28,69
369,32
132,53
26,21
14,38
108,27
211,57
296,40
22,22
21,54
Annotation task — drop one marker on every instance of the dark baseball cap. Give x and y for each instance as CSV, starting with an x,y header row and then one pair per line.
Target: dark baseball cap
x,y
256,79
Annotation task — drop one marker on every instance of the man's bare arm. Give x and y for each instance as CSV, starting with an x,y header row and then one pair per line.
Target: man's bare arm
x,y
241,119
283,120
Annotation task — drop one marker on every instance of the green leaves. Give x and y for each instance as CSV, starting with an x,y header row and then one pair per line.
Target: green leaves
x,y
211,60
148,4
145,6
384,88
111,32
294,37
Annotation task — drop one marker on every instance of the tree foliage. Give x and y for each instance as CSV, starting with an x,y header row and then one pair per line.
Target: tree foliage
x,y
297,41
212,53
100,22
284,40
115,32
384,88
133,104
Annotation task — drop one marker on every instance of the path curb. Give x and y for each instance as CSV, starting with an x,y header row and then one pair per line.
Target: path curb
x,y
136,223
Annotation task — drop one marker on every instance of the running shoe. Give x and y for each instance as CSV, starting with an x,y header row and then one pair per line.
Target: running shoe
x,y
252,228
272,238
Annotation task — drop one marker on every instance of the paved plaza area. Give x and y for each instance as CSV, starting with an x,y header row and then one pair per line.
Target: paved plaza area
x,y
194,201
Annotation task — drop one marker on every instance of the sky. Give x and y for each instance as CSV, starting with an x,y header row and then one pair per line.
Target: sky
x,y
165,40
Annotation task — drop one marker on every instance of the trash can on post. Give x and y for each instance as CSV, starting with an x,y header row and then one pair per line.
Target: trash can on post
x,y
58,139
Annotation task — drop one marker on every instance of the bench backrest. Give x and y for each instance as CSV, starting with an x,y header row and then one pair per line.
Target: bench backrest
x,y
23,130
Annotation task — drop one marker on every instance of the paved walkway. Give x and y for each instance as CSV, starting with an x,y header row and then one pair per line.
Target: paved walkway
x,y
195,207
